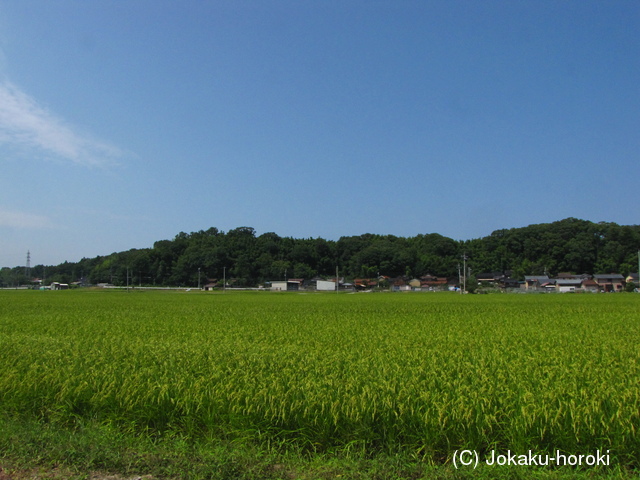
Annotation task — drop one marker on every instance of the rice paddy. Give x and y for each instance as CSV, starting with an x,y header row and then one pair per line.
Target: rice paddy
x,y
421,374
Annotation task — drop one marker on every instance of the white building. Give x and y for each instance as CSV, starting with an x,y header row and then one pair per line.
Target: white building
x,y
326,286
289,285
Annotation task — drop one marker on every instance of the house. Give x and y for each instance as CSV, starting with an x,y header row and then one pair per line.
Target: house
x,y
589,285
549,285
367,283
211,285
492,278
498,279
508,282
431,282
342,285
400,285
535,282
632,278
609,282
564,285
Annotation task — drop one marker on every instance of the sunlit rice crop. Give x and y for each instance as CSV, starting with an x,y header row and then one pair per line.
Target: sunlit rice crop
x,y
425,373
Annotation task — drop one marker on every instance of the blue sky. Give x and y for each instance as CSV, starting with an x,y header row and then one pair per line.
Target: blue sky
x,y
126,122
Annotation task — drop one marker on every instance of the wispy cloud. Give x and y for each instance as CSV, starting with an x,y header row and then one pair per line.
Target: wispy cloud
x,y
26,125
22,220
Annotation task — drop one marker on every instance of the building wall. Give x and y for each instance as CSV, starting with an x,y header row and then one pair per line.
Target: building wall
x,y
326,286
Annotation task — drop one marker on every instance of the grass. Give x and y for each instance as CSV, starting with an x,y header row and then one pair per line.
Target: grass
x,y
256,385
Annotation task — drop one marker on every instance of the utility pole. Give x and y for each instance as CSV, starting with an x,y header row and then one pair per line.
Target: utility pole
x,y
464,272
224,278
198,278
337,280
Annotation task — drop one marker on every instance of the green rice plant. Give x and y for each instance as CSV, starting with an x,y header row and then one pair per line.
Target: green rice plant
x,y
423,373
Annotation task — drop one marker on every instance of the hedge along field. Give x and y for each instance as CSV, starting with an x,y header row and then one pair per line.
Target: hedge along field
x,y
424,374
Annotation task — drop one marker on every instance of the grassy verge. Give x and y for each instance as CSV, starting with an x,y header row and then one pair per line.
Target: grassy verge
x,y
38,450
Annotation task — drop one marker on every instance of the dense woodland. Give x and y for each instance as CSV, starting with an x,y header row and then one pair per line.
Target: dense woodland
x,y
247,259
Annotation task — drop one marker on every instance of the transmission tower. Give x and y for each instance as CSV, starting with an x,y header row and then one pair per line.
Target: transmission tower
x,y
27,269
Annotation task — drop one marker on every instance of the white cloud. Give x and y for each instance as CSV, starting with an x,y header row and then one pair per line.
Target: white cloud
x,y
22,220
26,125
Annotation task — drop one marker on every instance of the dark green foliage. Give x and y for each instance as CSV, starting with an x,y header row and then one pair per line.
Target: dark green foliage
x,y
569,245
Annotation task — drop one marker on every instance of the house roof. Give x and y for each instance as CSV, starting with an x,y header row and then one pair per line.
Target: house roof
x,y
569,276
568,281
492,276
439,281
536,278
608,276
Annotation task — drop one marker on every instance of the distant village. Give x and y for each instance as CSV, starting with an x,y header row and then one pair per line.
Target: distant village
x,y
561,283
482,282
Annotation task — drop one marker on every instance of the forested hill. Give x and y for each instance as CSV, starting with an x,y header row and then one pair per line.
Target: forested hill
x,y
569,245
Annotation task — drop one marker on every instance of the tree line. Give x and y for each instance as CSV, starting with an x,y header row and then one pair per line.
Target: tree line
x,y
247,259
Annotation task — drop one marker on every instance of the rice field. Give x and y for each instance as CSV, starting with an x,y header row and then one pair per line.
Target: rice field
x,y
424,374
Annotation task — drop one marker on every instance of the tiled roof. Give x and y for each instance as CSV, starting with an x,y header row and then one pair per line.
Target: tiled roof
x,y
612,276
